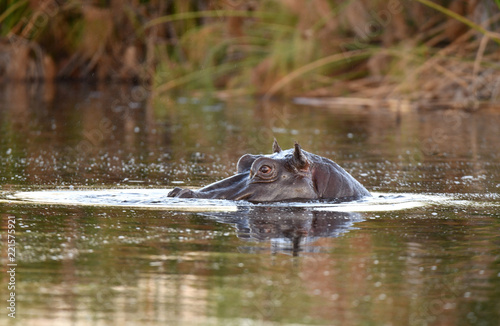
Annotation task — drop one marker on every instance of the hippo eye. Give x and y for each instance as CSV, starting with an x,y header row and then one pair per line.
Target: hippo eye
x,y
265,169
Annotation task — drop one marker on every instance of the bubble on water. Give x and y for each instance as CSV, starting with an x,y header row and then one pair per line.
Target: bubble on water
x,y
449,305
134,105
213,108
472,317
182,100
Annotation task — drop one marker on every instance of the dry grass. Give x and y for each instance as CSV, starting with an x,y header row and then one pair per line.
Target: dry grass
x,y
422,51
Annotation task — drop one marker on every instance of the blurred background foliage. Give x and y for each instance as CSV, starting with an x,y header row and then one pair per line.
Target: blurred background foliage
x,y
422,49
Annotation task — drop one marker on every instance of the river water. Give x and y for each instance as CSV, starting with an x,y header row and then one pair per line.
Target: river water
x,y
84,172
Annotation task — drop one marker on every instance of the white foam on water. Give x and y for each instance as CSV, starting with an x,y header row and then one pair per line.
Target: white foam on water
x,y
379,202
385,202
372,208
137,198
157,199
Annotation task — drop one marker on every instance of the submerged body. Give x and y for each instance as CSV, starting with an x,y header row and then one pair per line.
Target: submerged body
x,y
292,174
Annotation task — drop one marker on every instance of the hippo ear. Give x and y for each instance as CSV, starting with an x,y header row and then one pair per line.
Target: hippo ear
x,y
300,161
245,162
276,147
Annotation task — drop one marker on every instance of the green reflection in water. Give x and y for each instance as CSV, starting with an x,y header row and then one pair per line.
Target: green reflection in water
x,y
430,265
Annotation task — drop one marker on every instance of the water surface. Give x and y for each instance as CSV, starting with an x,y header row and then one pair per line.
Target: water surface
x,y
84,171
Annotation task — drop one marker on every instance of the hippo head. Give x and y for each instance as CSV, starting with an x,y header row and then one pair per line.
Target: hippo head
x,y
292,174
283,175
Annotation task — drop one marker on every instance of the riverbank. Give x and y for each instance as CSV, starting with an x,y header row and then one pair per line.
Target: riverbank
x,y
417,51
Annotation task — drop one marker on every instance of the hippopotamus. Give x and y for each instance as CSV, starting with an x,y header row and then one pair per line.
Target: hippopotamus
x,y
285,175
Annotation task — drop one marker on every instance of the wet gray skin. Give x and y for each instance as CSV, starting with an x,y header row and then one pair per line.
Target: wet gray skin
x,y
292,174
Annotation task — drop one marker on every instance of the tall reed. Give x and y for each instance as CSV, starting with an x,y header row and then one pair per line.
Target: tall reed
x,y
381,49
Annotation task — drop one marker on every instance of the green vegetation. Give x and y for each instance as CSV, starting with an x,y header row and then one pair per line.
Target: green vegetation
x,y
11,14
396,49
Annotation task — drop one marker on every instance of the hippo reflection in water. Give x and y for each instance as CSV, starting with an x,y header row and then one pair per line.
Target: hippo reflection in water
x,y
292,174
287,229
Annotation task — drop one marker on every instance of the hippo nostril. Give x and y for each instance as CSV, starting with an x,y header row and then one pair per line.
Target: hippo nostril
x,y
174,192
